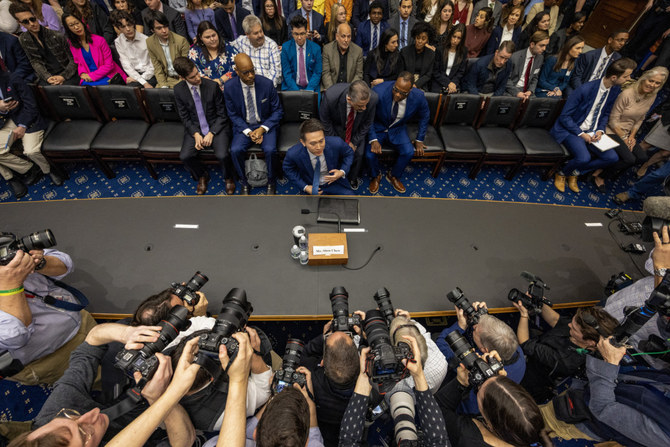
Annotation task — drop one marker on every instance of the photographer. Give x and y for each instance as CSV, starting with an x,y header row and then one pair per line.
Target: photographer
x,y
489,334
559,352
156,307
39,335
432,424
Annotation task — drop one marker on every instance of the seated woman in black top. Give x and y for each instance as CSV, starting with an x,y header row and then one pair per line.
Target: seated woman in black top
x,y
560,36
417,58
442,23
509,29
382,64
274,25
539,23
450,62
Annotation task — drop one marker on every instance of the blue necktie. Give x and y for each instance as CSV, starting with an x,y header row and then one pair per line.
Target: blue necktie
x,y
252,108
394,112
204,127
403,35
317,177
375,36
596,111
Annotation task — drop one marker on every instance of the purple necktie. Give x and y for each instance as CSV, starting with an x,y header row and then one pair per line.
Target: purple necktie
x,y
302,75
233,25
204,127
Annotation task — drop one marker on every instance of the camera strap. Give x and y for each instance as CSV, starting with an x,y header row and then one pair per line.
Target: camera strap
x,y
132,399
62,304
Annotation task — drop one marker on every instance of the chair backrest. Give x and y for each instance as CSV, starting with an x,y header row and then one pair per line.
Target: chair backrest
x,y
70,102
462,108
299,105
120,102
471,61
434,100
541,112
500,111
161,104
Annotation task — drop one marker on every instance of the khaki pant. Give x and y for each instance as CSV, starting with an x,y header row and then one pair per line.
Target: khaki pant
x,y
557,428
32,144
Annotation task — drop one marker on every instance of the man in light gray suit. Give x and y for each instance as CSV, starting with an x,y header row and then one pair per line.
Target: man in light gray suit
x,y
342,59
495,5
526,65
403,22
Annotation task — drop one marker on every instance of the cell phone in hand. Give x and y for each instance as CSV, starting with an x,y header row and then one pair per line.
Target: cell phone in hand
x,y
9,98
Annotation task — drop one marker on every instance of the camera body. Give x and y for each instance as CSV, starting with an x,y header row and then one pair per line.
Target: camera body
x,y
188,292
384,361
457,297
536,288
617,282
479,370
10,244
383,300
288,375
339,302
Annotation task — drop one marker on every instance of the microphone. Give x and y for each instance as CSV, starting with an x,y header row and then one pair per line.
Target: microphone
x,y
657,210
339,221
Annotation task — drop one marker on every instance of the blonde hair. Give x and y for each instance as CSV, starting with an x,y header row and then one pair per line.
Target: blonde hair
x,y
402,325
649,74
333,24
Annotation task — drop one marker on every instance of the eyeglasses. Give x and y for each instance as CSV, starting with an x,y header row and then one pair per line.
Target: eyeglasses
x,y
400,92
248,72
74,415
28,20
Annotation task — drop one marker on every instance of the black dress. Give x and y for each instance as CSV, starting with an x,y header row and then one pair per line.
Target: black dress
x,y
390,71
419,64
279,35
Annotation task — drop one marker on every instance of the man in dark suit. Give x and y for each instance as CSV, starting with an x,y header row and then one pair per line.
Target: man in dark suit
x,y
176,23
398,103
592,65
201,109
20,119
319,164
403,22
300,59
488,76
583,121
342,59
370,31
362,11
349,110
526,65
15,58
227,16
315,28
254,108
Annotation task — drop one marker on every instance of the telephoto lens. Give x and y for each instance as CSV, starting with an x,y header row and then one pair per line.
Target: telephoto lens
x,y
234,314
457,297
288,375
383,300
188,292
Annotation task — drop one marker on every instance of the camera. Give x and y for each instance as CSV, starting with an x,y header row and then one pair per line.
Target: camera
x,y
10,244
234,314
655,344
288,375
457,297
187,292
144,360
479,369
383,300
384,363
536,288
617,282
339,301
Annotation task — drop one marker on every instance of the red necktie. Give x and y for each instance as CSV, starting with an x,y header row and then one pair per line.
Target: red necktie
x,y
279,10
3,67
350,125
527,75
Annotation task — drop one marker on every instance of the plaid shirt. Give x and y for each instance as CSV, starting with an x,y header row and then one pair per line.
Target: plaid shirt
x,y
266,59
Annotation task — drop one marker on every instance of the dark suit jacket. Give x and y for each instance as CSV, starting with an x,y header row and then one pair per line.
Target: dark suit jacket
x,y
333,114
362,10
577,109
177,24
496,35
394,22
212,104
15,58
479,73
440,78
517,61
289,65
424,67
223,22
363,37
268,105
416,105
316,23
26,112
298,166
585,64
54,42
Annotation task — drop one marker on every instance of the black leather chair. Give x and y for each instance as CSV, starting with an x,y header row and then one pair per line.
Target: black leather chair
x,y
457,128
501,147
127,123
533,133
298,106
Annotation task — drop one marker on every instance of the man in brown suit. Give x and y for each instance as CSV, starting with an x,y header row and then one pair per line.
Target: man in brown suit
x,y
342,59
162,43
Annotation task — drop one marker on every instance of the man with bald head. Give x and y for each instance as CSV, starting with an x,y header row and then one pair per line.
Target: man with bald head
x,y
255,110
342,59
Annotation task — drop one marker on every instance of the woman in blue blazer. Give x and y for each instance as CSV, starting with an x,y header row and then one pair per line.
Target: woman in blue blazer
x,y
555,75
509,23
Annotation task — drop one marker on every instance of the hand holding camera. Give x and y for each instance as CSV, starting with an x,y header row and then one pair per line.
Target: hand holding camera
x,y
13,274
238,370
520,307
363,384
610,352
134,337
414,365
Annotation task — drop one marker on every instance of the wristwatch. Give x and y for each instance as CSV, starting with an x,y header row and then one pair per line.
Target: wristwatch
x,y
660,272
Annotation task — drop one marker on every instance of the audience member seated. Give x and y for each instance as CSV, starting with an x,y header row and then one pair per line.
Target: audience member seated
x,y
442,23
511,4
555,75
229,20
478,32
496,8
196,12
349,110
175,22
330,160
539,23
91,54
315,28
558,39
255,111
655,138
559,352
363,11
132,9
264,53
274,25
417,58
164,47
15,58
383,63
583,122
339,14
398,103
47,50
425,10
201,109
45,14
548,6
569,8
592,65
462,12
133,53
300,59
93,16
451,60
211,55
526,66
652,25
329,9
509,29
370,31
404,22
342,59
489,75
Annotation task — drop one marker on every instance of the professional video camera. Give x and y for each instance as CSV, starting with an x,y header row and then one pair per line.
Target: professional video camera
x,y
457,297
288,375
144,360
384,363
480,370
187,292
383,300
536,288
339,301
10,244
234,314
655,345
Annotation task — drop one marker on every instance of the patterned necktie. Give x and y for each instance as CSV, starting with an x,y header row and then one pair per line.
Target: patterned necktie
x,y
308,26
251,107
317,177
233,25
601,68
302,74
526,76
204,127
375,36
403,35
350,125
596,112
394,112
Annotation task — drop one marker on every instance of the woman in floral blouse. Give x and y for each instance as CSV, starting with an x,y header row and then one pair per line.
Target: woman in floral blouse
x,y
212,55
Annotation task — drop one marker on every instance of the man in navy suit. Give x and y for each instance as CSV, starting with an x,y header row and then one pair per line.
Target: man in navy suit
x,y
254,108
370,31
315,28
15,58
363,9
228,15
349,110
489,75
319,164
201,109
398,103
592,65
583,121
300,59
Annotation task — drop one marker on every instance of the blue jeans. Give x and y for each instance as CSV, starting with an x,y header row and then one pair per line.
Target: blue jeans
x,y
650,182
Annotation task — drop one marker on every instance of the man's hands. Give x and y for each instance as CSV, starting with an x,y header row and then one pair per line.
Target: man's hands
x,y
597,136
419,148
462,320
363,385
523,95
661,254
402,313
159,382
258,365
308,190
134,337
13,274
200,309
375,147
351,145
239,369
312,406
611,354
462,374
522,310
56,80
586,137
333,175
7,106
203,142
257,135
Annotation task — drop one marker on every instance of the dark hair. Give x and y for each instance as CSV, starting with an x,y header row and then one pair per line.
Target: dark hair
x,y
406,76
156,16
577,17
512,414
35,7
488,25
461,50
376,4
278,21
564,53
183,66
56,438
508,12
507,45
423,27
84,15
119,14
380,52
285,422
202,377
606,322
539,36
619,67
618,31
72,37
153,309
309,126
340,361
204,26
298,21
130,3
532,26
15,8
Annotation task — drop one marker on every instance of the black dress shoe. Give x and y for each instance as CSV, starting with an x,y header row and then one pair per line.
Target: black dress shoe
x,y
272,189
33,175
355,183
19,188
600,188
246,190
55,179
